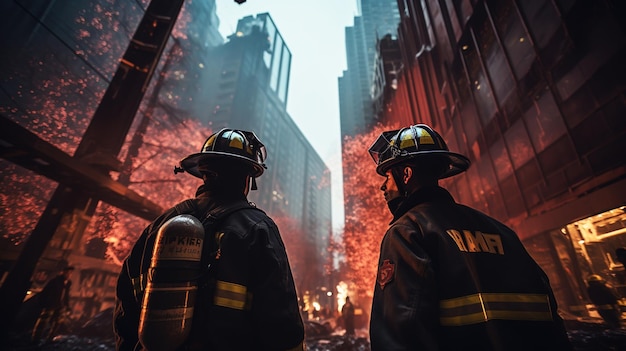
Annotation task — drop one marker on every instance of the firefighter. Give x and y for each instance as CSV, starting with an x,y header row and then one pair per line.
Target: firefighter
x,y
450,277
246,297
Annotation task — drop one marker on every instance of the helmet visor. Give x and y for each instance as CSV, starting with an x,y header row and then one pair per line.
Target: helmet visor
x,y
258,149
382,148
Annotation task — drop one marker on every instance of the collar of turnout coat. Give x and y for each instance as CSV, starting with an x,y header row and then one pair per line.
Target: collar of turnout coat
x,y
426,194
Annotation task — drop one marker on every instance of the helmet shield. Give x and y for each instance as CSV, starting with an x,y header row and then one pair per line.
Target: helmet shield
x,y
412,143
230,144
382,147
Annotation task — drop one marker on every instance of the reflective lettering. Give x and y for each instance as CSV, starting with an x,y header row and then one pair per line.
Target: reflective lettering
x,y
456,236
495,243
475,243
468,241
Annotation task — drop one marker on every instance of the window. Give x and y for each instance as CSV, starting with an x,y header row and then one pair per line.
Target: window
x,y
271,37
284,75
495,63
276,60
544,121
501,160
516,41
542,18
518,144
478,82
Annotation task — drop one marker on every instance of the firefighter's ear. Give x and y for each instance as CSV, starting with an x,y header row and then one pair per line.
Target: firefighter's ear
x,y
407,174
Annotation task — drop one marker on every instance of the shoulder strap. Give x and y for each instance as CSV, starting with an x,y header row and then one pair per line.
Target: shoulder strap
x,y
212,217
187,206
211,221
191,207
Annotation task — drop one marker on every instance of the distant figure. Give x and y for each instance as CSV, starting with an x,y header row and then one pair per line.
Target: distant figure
x,y
605,300
55,302
347,312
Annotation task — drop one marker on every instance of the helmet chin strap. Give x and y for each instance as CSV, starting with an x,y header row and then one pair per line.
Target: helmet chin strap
x,y
253,187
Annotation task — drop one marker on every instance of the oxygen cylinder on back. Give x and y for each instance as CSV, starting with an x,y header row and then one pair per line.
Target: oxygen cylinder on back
x,y
169,299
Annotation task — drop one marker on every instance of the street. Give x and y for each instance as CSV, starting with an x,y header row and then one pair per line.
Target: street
x,y
96,335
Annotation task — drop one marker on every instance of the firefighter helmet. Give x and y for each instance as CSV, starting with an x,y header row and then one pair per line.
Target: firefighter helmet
x,y
401,145
231,144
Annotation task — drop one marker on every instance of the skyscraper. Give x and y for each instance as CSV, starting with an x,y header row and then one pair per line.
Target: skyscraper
x,y
250,91
377,19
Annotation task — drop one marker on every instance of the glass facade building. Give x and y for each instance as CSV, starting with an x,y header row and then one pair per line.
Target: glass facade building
x,y
376,20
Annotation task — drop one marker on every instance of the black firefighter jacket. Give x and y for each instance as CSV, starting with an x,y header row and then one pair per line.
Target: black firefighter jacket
x,y
251,303
452,278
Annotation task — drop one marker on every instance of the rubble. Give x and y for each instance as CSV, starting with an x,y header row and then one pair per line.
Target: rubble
x,y
97,335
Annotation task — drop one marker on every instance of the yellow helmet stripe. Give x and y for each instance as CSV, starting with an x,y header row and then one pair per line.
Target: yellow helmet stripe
x,y
209,143
236,141
406,140
424,136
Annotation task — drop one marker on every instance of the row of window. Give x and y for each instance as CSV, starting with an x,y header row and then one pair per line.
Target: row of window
x,y
507,103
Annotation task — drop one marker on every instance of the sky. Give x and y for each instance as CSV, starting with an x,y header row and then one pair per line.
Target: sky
x,y
314,32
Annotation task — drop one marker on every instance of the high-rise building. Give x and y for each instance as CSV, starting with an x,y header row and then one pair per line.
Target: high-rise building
x,y
533,93
377,19
250,90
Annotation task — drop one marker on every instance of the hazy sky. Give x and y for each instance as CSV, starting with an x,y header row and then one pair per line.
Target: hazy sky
x,y
314,32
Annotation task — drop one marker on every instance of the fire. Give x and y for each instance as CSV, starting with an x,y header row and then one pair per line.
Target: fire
x,y
366,217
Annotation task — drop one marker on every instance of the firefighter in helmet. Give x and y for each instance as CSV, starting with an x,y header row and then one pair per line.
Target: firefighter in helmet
x,y
450,277
246,297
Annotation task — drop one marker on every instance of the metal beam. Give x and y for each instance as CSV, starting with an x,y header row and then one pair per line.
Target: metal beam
x,y
24,148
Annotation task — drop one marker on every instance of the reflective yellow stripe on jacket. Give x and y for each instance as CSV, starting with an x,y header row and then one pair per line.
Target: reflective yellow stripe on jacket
x,y
231,295
481,307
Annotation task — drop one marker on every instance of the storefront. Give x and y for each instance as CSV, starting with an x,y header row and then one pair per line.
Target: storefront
x,y
578,250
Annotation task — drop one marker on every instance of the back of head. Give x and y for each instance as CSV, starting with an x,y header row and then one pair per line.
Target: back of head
x,y
429,168
224,176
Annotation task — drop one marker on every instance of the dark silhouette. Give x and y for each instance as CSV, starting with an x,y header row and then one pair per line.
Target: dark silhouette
x,y
347,313
54,300
605,299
